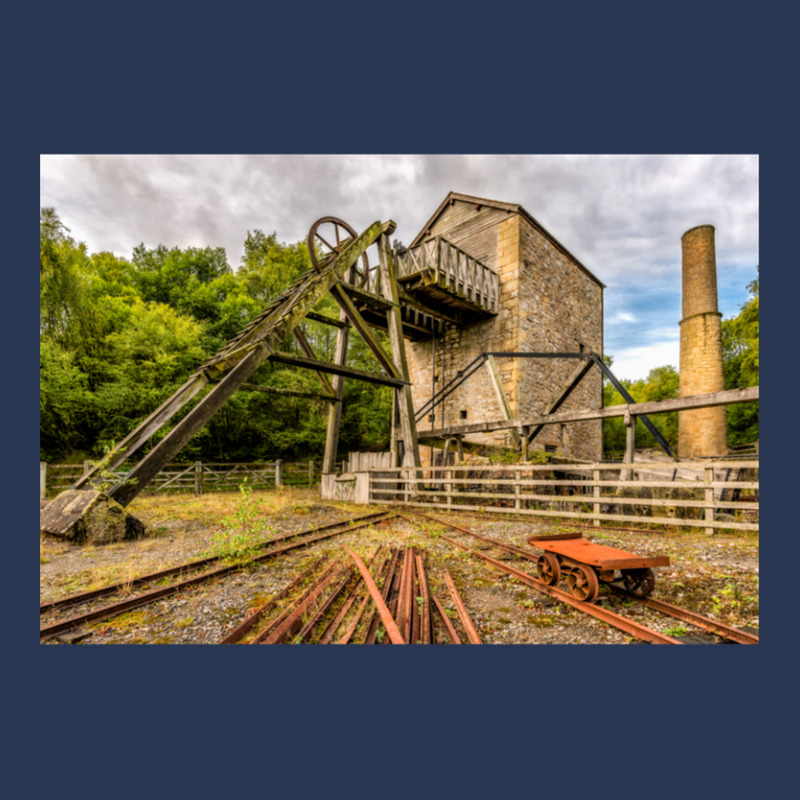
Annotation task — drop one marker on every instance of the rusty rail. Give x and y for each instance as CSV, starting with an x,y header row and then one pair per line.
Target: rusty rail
x,y
191,566
115,609
622,623
692,617
388,622
463,614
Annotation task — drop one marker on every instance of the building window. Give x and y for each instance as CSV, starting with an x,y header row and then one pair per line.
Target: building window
x,y
550,448
463,414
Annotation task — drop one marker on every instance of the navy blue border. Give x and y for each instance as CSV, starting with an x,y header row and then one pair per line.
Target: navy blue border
x,y
484,720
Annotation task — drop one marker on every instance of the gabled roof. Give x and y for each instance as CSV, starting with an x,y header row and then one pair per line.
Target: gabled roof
x,y
513,208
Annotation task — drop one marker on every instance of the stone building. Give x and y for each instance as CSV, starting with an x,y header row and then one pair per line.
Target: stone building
x,y
547,302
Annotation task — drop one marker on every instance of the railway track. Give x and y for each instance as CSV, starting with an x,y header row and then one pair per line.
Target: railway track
x,y
347,601
623,623
184,576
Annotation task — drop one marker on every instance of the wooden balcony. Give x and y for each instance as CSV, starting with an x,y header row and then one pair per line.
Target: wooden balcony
x,y
438,273
438,283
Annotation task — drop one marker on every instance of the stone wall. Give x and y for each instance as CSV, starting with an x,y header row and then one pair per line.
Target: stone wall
x,y
547,303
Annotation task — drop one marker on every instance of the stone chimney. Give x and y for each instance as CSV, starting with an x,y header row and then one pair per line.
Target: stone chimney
x,y
701,432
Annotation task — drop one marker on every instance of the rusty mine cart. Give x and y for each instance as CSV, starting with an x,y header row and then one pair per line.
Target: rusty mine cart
x,y
584,564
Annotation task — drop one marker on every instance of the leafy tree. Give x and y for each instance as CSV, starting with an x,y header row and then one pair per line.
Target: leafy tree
x,y
61,295
662,383
64,402
740,366
196,282
269,266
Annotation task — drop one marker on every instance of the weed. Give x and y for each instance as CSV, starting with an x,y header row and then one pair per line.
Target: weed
x,y
241,530
380,633
728,601
678,630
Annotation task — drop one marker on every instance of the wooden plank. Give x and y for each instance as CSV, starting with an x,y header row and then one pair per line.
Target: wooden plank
x,y
360,324
257,387
336,323
144,430
335,411
528,512
334,369
502,397
305,346
403,399
710,400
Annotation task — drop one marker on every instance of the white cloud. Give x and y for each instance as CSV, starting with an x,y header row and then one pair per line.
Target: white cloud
x,y
622,216
636,362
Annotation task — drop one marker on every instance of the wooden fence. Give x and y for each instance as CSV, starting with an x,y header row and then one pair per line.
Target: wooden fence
x,y
198,477
711,496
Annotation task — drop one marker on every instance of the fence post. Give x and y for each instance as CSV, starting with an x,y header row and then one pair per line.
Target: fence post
x,y
42,479
87,466
596,494
709,498
279,474
517,504
198,477
450,485
311,473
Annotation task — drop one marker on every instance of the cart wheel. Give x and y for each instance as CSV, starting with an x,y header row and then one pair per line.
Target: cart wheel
x,y
549,569
583,583
639,582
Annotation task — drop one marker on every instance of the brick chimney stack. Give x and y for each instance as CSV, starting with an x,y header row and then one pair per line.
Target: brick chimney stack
x,y
701,432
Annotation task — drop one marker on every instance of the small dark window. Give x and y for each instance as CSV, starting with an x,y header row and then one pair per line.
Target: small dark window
x,y
463,414
550,448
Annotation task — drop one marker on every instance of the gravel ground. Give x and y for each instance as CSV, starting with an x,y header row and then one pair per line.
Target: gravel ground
x,y
713,575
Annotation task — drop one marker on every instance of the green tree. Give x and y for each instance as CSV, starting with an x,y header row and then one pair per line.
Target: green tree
x,y
195,282
662,383
740,345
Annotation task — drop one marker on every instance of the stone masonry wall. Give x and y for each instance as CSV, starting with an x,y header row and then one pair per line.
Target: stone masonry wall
x,y
561,310
546,304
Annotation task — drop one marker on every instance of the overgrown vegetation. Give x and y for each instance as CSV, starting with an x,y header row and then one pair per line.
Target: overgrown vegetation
x,y
118,336
242,531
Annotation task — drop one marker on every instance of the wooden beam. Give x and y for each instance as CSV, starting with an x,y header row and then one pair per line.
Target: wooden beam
x,y
144,430
502,397
361,325
335,412
180,435
305,346
336,323
728,397
394,321
368,298
257,387
334,369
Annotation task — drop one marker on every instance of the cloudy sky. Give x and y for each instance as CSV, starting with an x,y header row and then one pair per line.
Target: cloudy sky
x,y
622,216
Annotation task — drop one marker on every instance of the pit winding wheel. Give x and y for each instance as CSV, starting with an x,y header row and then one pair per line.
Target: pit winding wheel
x,y
325,241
